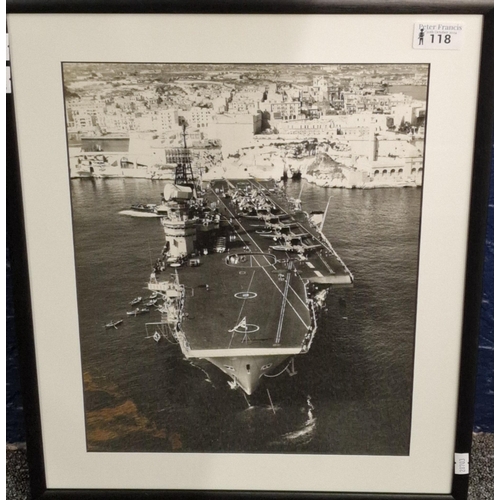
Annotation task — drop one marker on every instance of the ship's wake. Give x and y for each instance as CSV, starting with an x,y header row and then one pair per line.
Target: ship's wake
x,y
207,379
302,436
305,434
263,409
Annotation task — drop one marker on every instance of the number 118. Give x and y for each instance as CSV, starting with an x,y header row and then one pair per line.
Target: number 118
x,y
441,38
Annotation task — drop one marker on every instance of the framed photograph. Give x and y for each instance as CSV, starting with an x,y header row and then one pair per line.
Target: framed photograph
x,y
248,245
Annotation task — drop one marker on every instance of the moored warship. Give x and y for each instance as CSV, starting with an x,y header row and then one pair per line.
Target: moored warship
x,y
242,276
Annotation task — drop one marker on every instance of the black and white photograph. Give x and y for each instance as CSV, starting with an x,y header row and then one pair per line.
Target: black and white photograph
x,y
246,242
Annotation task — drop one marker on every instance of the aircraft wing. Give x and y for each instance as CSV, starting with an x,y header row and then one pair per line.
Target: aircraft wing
x,y
311,247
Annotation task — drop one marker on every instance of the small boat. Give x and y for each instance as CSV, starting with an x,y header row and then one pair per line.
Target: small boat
x,y
135,301
143,310
150,303
134,312
153,295
113,324
144,207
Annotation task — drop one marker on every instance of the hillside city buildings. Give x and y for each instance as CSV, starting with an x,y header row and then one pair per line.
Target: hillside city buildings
x,y
131,119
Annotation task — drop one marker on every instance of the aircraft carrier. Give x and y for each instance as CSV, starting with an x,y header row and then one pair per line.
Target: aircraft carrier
x,y
243,275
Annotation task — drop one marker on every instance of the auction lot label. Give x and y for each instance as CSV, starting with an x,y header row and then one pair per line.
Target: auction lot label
x,y
438,36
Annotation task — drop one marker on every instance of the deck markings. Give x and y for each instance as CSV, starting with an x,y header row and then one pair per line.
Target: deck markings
x,y
248,290
241,310
322,243
271,264
263,268
245,295
283,305
250,328
326,264
310,264
317,273
227,208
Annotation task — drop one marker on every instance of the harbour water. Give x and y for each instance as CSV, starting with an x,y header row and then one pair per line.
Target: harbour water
x,y
352,392
418,92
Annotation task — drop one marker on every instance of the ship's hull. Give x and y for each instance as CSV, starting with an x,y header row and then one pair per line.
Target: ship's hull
x,y
246,307
247,371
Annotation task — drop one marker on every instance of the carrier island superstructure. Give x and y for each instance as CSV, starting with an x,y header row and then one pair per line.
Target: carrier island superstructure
x,y
242,276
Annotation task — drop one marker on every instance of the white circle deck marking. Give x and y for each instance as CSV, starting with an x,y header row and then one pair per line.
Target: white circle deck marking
x,y
249,329
245,295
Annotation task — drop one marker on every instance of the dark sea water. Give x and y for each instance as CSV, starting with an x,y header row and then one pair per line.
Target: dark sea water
x,y
352,393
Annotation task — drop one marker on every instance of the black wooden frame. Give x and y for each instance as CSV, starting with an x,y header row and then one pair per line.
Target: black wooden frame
x,y
16,231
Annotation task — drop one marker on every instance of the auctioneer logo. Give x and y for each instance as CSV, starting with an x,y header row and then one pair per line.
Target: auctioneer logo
x,y
440,36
